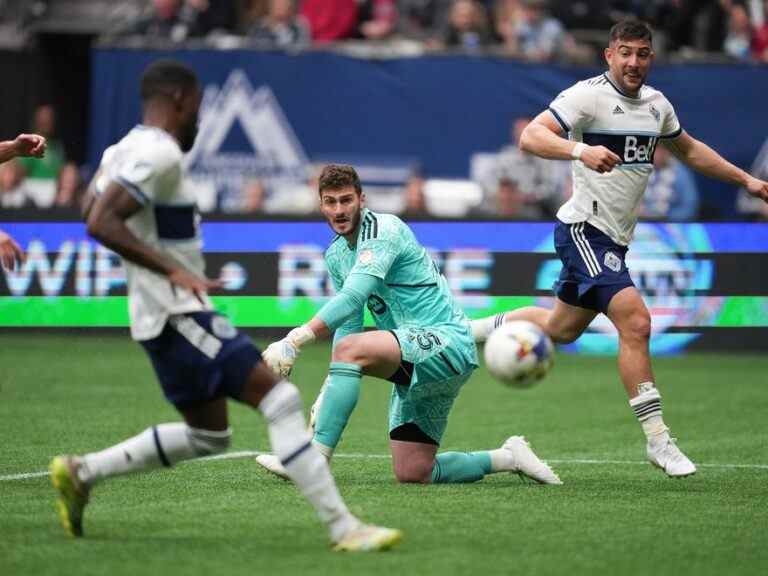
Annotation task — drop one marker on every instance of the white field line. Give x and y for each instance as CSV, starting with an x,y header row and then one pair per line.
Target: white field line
x,y
353,456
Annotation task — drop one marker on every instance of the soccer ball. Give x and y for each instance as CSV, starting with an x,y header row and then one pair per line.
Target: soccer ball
x,y
518,354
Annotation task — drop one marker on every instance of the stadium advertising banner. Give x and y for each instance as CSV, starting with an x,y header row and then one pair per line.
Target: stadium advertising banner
x,y
266,116
704,283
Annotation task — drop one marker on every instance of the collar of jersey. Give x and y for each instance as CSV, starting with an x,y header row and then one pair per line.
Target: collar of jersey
x,y
620,91
156,129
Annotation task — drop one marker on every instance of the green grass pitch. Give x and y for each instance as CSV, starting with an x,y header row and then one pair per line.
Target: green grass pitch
x,y
615,514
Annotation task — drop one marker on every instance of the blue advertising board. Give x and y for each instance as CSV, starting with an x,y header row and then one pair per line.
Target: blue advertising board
x,y
276,112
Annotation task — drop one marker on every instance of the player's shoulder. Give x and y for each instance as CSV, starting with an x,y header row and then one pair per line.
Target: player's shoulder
x,y
583,88
382,226
153,145
653,95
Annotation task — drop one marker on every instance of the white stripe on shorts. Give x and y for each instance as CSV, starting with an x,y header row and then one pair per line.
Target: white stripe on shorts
x,y
196,335
580,247
588,247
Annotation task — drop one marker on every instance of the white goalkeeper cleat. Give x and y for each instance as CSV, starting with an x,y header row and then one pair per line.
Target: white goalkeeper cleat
x,y
272,464
667,456
519,458
368,538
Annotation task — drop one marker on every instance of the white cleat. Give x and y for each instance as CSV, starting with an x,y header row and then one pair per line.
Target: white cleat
x,y
272,464
368,538
668,457
523,461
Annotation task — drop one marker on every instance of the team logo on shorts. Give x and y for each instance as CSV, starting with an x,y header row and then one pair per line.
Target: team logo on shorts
x,y
222,328
365,257
612,261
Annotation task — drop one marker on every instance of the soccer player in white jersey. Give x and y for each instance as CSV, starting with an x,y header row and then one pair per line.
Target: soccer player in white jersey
x,y
23,145
140,206
610,126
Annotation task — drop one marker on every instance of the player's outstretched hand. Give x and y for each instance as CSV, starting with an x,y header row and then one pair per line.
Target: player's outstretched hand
x,y
280,357
30,145
757,188
10,252
188,281
599,158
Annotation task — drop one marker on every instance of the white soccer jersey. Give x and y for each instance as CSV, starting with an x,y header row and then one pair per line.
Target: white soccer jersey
x,y
596,112
147,163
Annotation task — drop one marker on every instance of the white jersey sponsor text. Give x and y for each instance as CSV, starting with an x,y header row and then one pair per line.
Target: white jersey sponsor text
x,y
597,113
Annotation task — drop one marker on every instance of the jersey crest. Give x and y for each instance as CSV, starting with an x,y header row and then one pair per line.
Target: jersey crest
x,y
612,261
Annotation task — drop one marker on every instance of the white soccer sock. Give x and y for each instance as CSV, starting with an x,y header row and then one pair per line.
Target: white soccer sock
x,y
647,408
483,327
308,469
326,451
161,445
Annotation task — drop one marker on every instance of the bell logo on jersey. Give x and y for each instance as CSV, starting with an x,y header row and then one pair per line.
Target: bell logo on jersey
x,y
635,152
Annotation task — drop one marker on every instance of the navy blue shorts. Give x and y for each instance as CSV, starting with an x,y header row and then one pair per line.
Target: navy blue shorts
x,y
594,267
199,357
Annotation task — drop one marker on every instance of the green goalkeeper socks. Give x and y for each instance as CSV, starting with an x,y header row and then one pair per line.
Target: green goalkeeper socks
x,y
339,400
457,467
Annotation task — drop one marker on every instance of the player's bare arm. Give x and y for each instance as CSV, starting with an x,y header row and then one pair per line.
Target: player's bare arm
x,y
704,159
106,215
23,145
543,137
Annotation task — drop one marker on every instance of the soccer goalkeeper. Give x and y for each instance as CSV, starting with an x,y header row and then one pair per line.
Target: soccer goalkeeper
x,y
423,344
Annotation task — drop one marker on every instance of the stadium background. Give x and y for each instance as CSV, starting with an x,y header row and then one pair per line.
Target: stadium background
x,y
417,104
272,117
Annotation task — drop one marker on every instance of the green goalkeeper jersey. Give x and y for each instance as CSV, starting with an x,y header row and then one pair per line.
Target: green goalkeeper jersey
x,y
410,292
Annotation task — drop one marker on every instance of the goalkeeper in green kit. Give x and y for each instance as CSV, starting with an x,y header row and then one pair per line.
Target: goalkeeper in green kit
x,y
423,344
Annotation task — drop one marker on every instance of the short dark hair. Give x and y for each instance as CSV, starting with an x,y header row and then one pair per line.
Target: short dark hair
x,y
163,77
337,177
630,30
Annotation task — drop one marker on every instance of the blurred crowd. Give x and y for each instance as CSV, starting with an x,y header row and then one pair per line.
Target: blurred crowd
x,y
539,30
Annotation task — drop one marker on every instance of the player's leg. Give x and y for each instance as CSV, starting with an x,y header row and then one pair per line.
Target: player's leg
x,y
441,361
571,313
372,353
563,324
160,446
629,315
417,421
419,462
186,367
280,403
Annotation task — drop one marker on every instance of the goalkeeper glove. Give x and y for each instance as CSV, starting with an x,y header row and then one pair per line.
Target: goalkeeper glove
x,y
281,355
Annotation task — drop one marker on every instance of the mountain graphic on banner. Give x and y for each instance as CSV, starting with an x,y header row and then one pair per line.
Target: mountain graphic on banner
x,y
244,135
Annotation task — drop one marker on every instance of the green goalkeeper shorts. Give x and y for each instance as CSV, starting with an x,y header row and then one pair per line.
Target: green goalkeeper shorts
x,y
435,363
